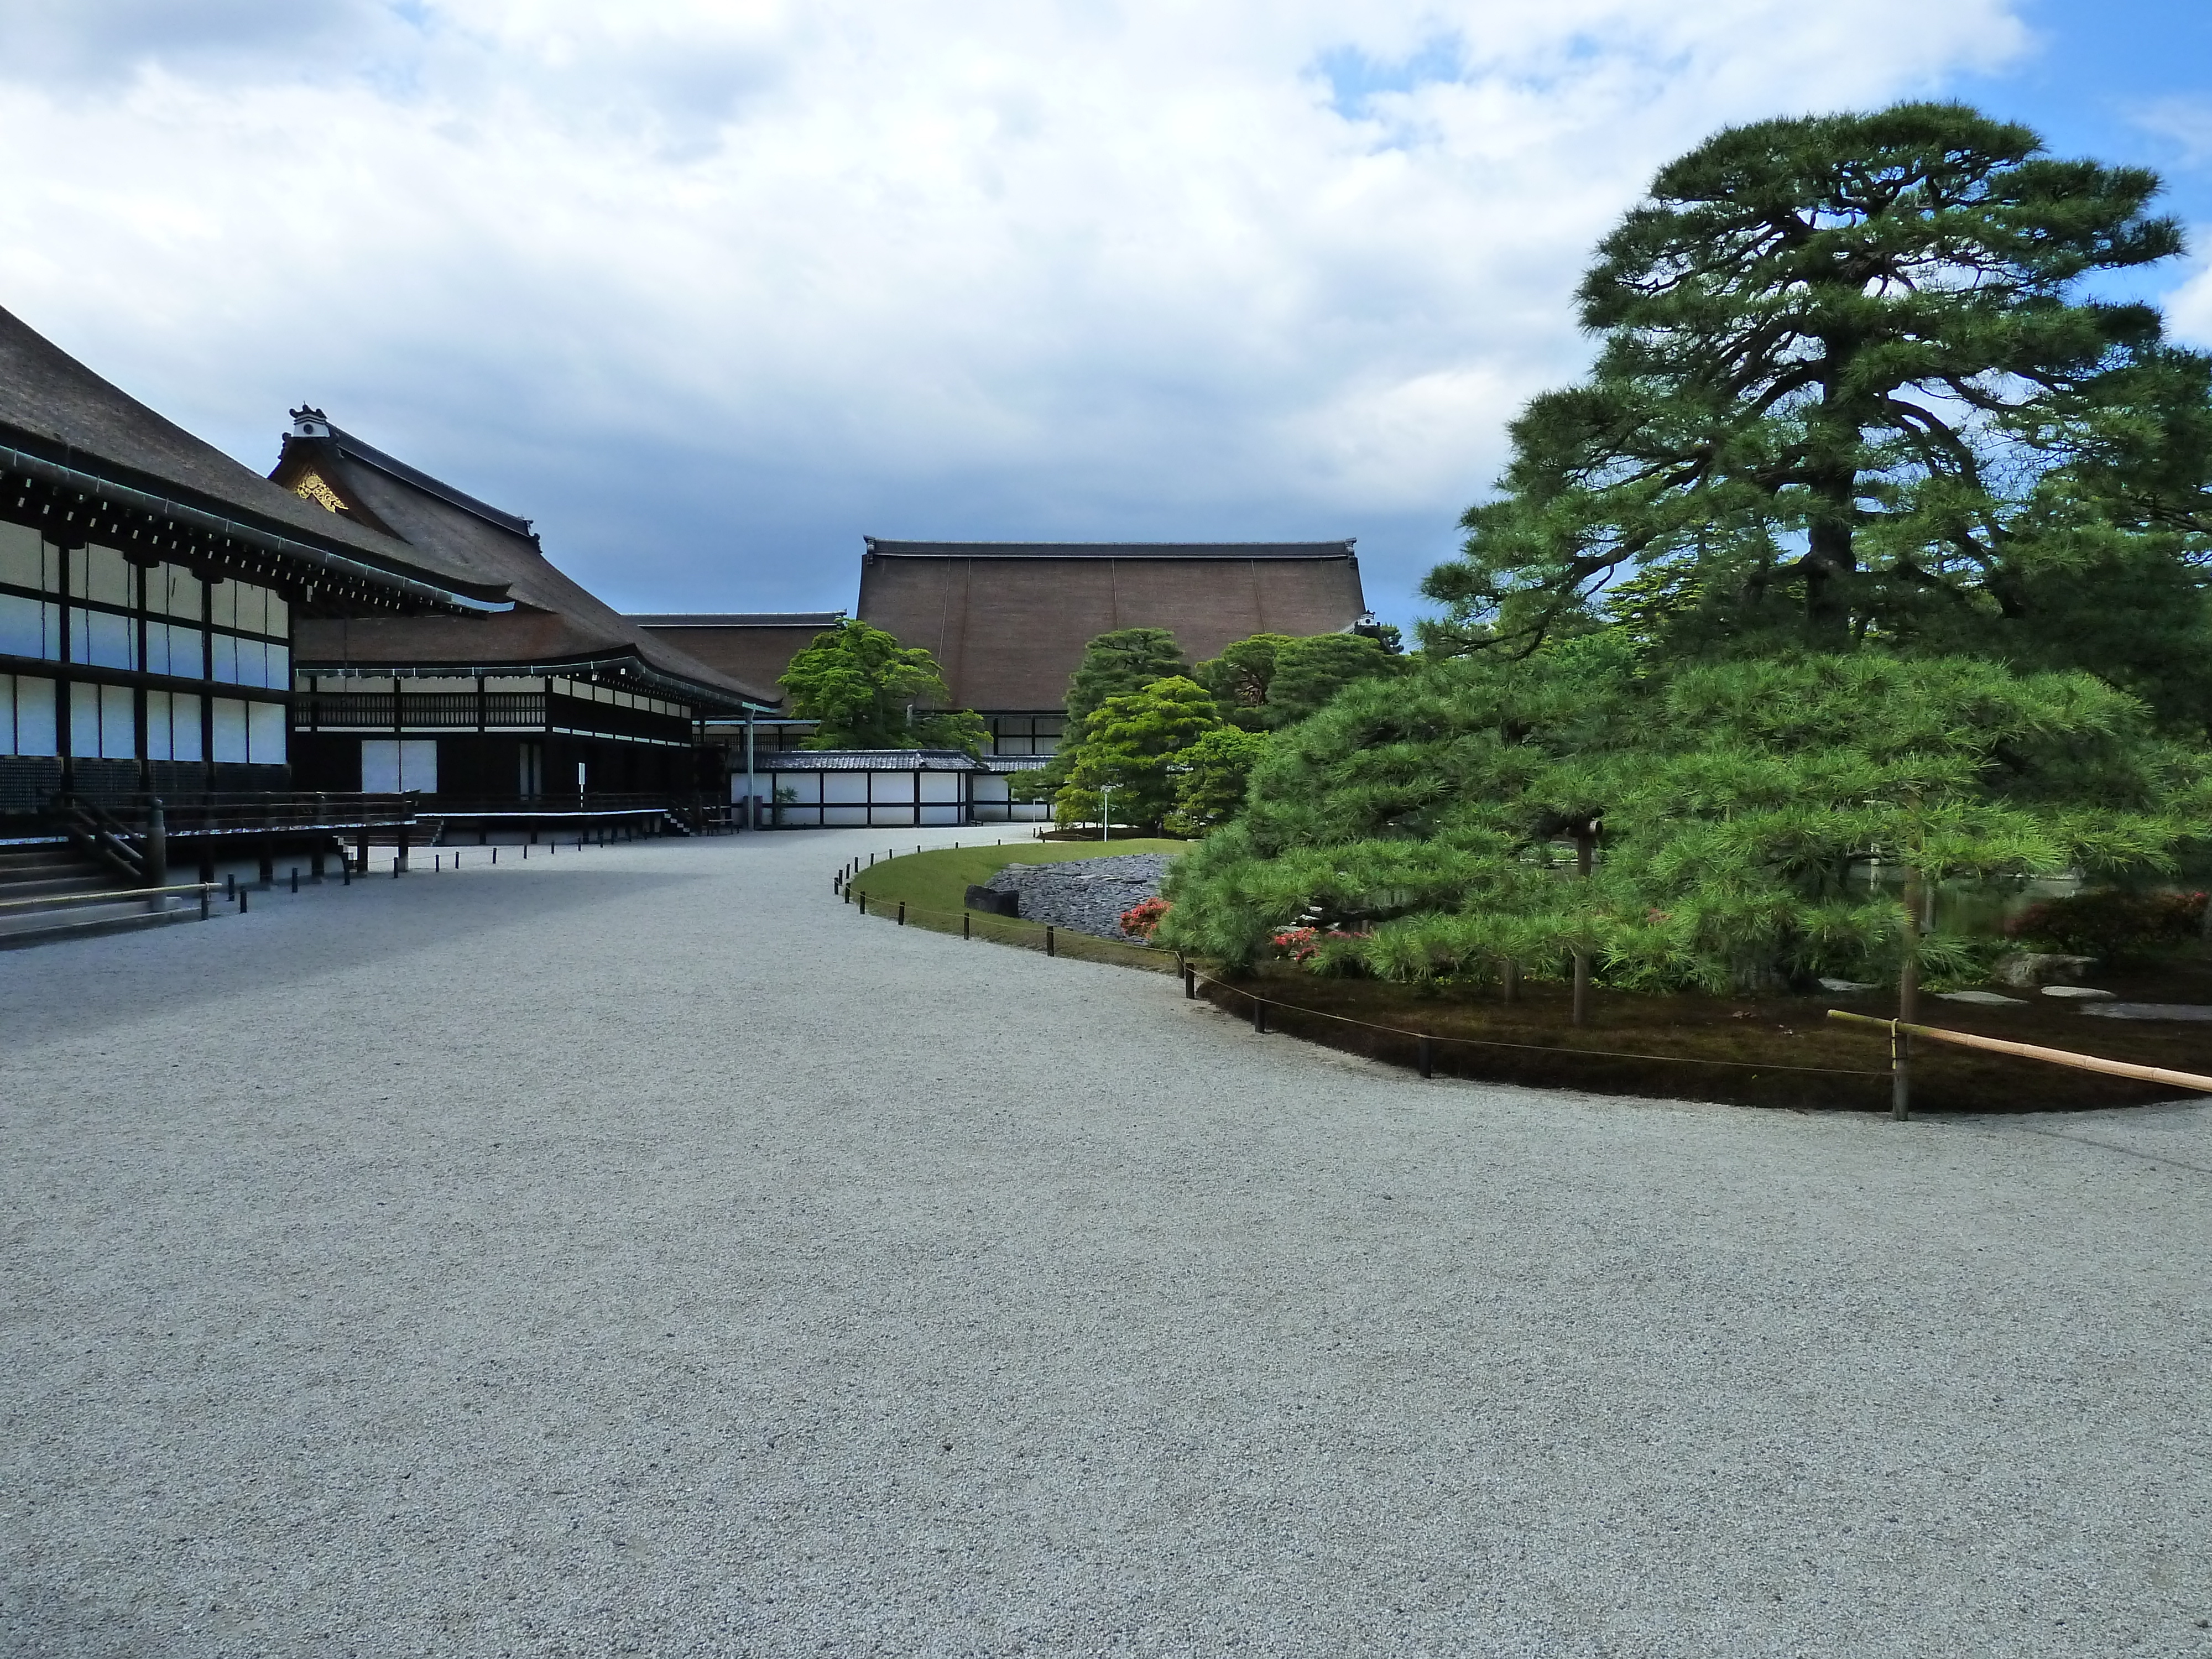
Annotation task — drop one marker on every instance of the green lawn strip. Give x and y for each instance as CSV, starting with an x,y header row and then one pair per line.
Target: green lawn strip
x,y
934,886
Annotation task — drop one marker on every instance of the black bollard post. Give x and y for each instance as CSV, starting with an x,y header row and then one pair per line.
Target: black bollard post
x,y
1428,1067
295,877
1049,948
966,916
345,873
230,885
1189,983
243,895
204,903
1260,1015
863,904
901,920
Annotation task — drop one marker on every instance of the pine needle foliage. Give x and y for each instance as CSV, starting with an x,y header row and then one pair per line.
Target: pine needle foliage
x,y
1738,805
1134,744
1272,680
1851,388
868,692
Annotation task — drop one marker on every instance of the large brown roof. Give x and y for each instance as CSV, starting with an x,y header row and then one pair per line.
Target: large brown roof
x,y
1008,621
60,410
556,624
752,646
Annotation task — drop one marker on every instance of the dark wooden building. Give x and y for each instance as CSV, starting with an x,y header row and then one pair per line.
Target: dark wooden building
x,y
754,647
153,593
560,697
1008,621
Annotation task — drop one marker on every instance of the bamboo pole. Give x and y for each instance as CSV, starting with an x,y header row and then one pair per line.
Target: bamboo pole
x,y
2031,1051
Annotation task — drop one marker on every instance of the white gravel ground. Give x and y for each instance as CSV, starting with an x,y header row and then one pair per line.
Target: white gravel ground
x,y
640,1252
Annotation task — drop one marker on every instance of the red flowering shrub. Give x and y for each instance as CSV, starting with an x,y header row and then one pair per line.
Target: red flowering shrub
x,y
1302,944
2111,924
1140,920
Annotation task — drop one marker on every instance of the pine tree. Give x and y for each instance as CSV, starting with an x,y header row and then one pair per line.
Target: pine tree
x,y
1851,387
868,692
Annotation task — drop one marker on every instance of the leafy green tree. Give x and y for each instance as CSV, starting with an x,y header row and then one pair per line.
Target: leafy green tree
x,y
1212,777
1132,744
1114,664
868,692
1733,813
1272,680
1239,677
1851,388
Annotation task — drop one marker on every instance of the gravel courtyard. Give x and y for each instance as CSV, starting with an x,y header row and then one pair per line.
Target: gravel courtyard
x,y
638,1252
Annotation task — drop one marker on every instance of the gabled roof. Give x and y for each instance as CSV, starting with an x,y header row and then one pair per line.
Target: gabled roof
x,y
752,646
891,549
557,625
56,410
1008,621
817,620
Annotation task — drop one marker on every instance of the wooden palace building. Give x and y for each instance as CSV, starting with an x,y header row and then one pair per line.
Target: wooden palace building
x,y
153,593
559,698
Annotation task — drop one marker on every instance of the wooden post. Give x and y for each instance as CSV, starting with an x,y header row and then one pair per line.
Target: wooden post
x,y
1049,948
1585,841
157,847
1908,1002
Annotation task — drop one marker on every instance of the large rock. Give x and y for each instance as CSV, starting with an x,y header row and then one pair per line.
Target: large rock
x,y
2024,971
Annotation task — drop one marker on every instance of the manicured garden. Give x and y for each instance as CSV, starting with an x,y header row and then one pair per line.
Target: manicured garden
x,y
934,886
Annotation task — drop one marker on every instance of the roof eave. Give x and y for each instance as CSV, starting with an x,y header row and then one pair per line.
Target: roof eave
x,y
469,598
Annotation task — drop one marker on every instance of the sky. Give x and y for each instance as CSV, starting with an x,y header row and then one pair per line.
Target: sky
x,y
711,288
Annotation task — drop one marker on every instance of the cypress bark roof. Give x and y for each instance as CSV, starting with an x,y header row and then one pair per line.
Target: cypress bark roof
x,y
56,409
1008,621
752,646
557,625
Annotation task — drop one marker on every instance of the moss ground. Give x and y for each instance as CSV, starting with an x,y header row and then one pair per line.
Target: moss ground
x,y
1778,1050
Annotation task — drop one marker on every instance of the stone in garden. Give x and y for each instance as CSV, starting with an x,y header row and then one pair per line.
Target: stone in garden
x,y
2077,992
1844,986
1981,998
2026,969
2151,1010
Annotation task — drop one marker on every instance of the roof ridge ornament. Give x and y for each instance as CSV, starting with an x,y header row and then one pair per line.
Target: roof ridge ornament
x,y
308,422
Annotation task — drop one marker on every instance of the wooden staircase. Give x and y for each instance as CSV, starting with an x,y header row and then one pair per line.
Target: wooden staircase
x,y
60,869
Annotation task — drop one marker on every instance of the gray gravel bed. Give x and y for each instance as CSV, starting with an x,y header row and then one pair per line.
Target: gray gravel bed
x,y
1088,895
640,1252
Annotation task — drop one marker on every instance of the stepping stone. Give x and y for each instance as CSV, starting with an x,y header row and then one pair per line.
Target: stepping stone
x,y
1981,998
2151,1010
2077,993
1844,986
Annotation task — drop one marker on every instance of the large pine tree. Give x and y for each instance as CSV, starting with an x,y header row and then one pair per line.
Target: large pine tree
x,y
1856,381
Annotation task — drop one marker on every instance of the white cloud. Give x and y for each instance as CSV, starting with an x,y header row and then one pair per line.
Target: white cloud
x,y
710,288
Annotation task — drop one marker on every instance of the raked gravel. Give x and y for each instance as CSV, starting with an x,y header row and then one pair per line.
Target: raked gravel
x,y
640,1252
